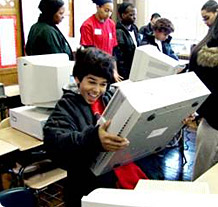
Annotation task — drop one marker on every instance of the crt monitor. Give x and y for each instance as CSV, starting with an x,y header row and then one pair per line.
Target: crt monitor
x,y
149,113
149,62
42,77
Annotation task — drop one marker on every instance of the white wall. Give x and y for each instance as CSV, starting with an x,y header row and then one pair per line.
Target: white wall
x,y
185,16
30,15
82,10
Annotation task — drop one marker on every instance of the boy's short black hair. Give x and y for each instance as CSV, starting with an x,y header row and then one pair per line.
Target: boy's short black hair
x,y
93,61
163,25
155,15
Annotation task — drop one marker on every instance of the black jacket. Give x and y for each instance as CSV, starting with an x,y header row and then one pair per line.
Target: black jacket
x,y
72,141
45,38
166,46
146,30
124,52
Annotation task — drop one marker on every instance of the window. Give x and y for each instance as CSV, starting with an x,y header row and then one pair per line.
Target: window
x,y
185,15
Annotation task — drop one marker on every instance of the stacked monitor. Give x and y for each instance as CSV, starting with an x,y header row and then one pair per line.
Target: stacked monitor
x,y
42,77
149,62
41,81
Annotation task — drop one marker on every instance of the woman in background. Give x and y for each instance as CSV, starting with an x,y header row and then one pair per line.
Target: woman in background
x,y
44,36
100,31
204,62
209,12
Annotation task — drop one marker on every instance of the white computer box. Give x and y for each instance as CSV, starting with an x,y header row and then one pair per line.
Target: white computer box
x,y
29,119
106,197
149,113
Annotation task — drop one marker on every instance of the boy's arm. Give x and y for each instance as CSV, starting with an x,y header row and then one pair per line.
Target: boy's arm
x,y
66,133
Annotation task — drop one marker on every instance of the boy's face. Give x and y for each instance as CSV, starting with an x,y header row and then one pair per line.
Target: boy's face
x,y
92,87
162,36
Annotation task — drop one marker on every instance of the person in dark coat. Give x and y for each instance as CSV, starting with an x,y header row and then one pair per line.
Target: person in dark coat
x,y
44,36
161,37
204,62
148,29
128,39
71,134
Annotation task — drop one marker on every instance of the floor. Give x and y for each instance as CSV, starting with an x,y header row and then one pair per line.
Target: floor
x,y
52,196
170,164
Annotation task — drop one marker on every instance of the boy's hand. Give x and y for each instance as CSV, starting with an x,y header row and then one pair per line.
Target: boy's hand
x,y
111,142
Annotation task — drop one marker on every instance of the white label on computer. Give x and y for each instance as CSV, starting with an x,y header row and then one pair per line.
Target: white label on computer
x,y
157,132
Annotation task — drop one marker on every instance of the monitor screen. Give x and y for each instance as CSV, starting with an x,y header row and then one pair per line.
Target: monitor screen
x,y
149,62
42,77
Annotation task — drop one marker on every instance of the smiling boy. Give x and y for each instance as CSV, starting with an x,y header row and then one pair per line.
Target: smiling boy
x,y
71,135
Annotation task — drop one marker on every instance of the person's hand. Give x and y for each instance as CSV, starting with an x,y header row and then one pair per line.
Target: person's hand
x,y
111,142
189,119
117,77
180,69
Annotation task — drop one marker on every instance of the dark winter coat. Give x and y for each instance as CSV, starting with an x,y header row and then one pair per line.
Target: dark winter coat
x,y
205,65
146,30
72,141
124,52
45,38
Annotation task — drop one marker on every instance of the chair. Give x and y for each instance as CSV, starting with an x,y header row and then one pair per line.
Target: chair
x,y
5,123
18,197
41,169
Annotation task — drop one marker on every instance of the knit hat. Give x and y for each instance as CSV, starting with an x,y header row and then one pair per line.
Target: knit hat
x,y
50,7
102,2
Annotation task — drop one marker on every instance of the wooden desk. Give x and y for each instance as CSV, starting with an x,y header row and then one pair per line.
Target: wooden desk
x,y
12,139
211,177
42,180
19,139
6,148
